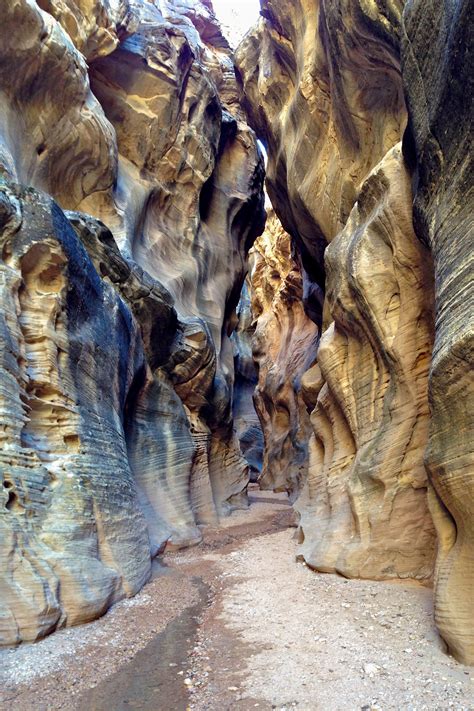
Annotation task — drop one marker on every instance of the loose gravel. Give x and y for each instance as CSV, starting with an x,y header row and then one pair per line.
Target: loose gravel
x,y
272,634
319,641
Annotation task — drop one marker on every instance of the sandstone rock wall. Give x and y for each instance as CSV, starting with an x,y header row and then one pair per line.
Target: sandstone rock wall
x,y
117,380
329,74
438,78
323,85
116,363
364,511
74,539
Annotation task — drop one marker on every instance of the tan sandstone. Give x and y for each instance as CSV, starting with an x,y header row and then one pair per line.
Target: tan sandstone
x,y
117,371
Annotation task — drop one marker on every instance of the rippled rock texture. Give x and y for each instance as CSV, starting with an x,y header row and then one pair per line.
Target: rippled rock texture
x,y
117,366
73,536
364,512
323,85
284,346
437,71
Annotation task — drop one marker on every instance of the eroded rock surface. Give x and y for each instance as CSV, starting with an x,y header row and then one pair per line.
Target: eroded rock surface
x,y
127,114
364,512
330,73
437,71
322,84
74,539
246,421
132,195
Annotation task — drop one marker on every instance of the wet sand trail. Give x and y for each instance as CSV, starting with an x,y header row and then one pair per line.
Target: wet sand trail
x,y
138,656
147,683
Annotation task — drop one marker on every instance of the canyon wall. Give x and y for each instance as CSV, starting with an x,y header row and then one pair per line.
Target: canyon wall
x,y
438,71
382,236
246,421
364,508
116,365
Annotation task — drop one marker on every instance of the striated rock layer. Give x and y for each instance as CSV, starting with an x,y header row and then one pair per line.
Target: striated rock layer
x,y
74,539
323,85
364,511
246,421
117,370
438,77
130,195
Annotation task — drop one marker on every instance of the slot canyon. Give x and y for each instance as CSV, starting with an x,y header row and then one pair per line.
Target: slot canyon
x,y
236,350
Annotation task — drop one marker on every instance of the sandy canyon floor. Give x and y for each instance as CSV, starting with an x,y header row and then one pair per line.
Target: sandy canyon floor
x,y
239,624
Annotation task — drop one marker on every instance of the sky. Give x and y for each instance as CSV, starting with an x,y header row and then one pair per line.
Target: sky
x,y
236,17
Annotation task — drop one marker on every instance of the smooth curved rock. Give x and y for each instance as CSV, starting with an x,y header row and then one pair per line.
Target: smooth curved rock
x,y
322,86
246,422
159,442
188,202
364,512
53,132
174,175
91,24
149,138
324,90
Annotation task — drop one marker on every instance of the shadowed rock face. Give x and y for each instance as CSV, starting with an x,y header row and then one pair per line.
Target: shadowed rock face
x,y
54,134
437,72
246,421
127,115
156,424
284,346
323,86
74,539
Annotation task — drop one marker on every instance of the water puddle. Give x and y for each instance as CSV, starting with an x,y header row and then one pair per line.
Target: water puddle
x,y
148,682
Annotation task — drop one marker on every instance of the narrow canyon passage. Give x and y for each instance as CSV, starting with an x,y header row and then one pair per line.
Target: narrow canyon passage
x,y
237,624
236,355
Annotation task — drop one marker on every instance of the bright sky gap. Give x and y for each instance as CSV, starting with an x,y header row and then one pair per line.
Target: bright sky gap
x,y
236,17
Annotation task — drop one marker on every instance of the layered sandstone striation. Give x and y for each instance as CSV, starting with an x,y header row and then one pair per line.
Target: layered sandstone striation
x,y
117,367
364,511
437,72
74,539
323,85
130,196
284,345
